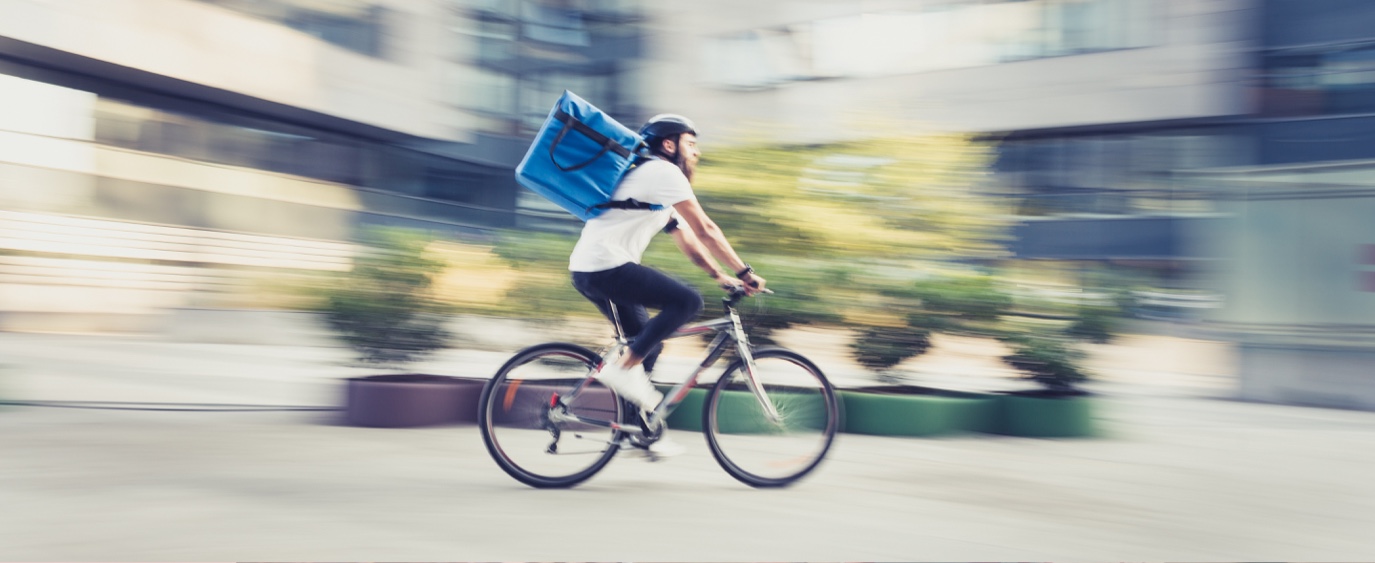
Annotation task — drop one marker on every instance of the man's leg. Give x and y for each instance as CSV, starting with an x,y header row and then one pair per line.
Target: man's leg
x,y
636,285
632,316
678,304
633,320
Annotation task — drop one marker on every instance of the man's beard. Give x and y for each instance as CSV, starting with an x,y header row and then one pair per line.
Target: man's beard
x,y
689,168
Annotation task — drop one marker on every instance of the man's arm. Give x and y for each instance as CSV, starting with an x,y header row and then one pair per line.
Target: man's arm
x,y
692,248
710,236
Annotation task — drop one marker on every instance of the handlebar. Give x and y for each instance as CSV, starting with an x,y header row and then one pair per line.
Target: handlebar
x,y
738,293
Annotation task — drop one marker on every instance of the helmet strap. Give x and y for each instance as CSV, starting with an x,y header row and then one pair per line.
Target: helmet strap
x,y
658,149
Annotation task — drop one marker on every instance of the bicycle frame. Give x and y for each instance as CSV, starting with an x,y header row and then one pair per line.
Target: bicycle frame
x,y
728,327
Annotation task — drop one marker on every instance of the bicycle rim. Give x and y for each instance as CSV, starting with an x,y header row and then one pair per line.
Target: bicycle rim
x,y
756,449
514,416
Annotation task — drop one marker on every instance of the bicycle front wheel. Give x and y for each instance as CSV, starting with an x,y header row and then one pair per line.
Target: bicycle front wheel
x,y
519,416
761,450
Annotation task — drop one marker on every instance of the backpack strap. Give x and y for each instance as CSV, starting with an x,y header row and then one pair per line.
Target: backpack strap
x,y
631,203
570,122
628,204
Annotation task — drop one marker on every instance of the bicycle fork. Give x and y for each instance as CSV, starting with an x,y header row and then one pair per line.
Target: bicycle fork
x,y
752,372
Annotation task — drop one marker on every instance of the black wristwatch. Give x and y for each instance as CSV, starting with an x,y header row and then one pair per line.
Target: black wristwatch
x,y
742,273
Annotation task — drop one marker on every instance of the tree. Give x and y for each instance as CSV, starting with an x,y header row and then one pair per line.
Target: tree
x,y
384,307
836,228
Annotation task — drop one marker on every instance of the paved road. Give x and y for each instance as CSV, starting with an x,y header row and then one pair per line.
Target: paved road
x,y
1181,476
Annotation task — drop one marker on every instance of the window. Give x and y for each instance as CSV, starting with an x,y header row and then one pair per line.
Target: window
x,y
554,24
539,91
761,58
1331,79
956,35
484,90
356,25
517,56
1113,174
286,151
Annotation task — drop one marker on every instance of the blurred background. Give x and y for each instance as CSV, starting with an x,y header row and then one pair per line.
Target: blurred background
x,y
1167,165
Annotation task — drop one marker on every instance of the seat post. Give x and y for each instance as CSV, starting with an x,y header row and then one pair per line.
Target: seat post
x,y
616,321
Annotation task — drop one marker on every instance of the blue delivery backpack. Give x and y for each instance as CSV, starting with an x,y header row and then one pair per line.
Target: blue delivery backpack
x,y
579,156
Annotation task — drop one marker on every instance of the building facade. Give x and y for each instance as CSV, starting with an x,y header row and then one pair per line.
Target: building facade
x,y
1206,148
158,154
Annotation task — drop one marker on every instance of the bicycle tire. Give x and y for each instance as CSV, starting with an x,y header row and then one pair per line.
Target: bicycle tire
x,y
747,444
517,399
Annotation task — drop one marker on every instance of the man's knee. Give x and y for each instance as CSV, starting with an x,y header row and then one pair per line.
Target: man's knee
x,y
692,304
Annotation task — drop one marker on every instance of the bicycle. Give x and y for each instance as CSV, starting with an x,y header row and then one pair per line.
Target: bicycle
x,y
769,419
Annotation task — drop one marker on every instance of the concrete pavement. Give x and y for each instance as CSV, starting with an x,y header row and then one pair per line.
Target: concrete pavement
x,y
1182,474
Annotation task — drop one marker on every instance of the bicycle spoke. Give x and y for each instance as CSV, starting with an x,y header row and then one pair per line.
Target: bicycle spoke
x,y
756,448
527,417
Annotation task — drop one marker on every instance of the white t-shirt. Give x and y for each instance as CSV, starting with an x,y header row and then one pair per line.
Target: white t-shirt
x,y
620,236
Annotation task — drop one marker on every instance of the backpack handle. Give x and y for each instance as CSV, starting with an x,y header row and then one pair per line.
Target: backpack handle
x,y
569,122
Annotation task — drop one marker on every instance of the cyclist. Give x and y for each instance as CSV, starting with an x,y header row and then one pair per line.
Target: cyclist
x,y
606,267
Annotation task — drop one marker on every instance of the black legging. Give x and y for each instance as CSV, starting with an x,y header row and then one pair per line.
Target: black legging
x,y
632,287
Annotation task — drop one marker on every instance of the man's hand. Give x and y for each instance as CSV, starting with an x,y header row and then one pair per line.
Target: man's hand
x,y
753,283
725,282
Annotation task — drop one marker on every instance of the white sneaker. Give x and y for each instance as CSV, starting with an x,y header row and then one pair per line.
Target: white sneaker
x,y
662,448
631,384
666,447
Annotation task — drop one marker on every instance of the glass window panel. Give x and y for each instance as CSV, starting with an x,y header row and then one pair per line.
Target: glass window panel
x,y
552,24
357,25
954,35
484,90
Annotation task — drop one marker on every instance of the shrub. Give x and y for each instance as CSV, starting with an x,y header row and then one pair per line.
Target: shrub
x,y
542,289
383,307
1095,324
1052,362
879,348
974,298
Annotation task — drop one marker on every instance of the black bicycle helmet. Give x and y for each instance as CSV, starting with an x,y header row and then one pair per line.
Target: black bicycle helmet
x,y
666,126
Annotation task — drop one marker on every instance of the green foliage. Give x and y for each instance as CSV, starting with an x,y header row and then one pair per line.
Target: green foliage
x,y
1052,362
880,348
543,289
535,251
912,197
804,295
1043,350
839,226
971,298
802,298
383,307
1096,324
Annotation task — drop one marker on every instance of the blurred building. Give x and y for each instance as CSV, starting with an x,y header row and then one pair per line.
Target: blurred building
x,y
1298,241
1203,148
1093,103
166,154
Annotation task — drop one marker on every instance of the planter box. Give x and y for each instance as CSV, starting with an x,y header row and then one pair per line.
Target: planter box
x,y
916,411
688,415
1045,415
410,400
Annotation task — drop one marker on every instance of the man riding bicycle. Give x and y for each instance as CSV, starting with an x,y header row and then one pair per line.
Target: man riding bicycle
x,y
606,269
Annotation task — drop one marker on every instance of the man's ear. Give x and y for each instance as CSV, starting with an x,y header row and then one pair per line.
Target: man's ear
x,y
670,147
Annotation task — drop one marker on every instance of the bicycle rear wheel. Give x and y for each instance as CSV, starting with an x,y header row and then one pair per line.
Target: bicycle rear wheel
x,y
519,424
756,449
